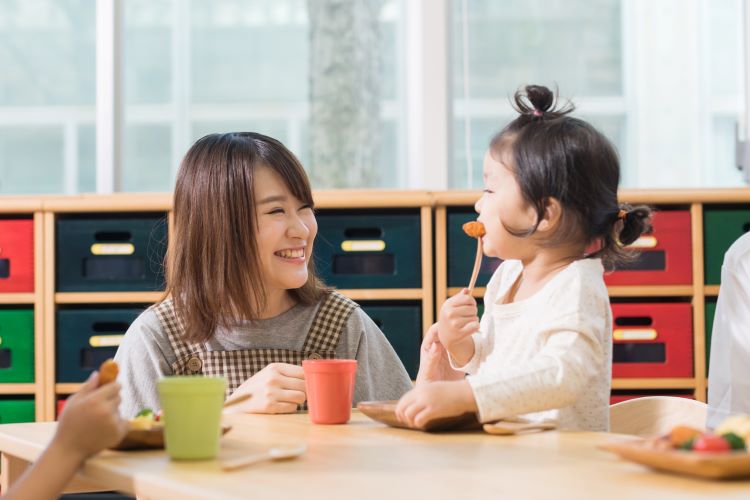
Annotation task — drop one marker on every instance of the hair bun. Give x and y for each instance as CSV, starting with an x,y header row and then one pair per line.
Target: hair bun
x,y
538,100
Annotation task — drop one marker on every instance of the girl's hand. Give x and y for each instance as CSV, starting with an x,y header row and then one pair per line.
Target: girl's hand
x,y
458,320
91,420
433,400
277,388
433,360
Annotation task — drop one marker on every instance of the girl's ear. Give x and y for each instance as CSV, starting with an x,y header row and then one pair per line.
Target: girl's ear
x,y
552,215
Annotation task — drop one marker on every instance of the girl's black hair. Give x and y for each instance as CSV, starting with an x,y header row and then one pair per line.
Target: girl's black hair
x,y
554,155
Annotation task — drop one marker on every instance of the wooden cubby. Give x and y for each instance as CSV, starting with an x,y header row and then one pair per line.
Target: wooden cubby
x,y
30,208
432,207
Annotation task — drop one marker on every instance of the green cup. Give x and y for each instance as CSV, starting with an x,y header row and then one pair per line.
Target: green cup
x,y
192,415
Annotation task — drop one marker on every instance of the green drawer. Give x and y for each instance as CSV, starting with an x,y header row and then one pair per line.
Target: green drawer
x,y
13,411
462,251
16,346
402,325
110,252
709,313
369,249
722,227
86,336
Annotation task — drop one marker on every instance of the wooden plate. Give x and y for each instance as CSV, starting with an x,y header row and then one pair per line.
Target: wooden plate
x,y
728,465
385,412
152,439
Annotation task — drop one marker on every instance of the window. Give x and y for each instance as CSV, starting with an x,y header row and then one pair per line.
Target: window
x,y
666,98
193,68
47,99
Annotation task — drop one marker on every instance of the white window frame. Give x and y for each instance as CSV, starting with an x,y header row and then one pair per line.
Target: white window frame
x,y
429,105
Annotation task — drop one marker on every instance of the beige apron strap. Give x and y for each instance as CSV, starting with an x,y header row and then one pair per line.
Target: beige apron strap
x,y
328,324
187,354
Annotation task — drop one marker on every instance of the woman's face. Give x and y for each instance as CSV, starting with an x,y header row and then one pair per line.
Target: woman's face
x,y
286,230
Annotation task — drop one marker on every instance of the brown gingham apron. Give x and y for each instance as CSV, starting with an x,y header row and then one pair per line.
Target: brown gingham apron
x,y
239,365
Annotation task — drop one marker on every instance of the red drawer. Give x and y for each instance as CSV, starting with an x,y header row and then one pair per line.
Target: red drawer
x,y
652,340
60,406
666,254
16,255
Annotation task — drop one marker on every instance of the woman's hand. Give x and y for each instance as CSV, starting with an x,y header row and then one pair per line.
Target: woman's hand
x,y
91,420
434,365
277,388
457,322
433,400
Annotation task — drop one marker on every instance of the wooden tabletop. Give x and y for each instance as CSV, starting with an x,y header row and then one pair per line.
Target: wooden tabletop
x,y
367,460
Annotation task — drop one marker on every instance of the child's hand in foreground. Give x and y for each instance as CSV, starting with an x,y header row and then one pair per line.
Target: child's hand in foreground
x,y
458,320
432,400
91,420
433,360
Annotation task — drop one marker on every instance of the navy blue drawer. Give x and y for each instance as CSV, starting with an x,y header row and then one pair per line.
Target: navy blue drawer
x,y
110,253
86,336
369,249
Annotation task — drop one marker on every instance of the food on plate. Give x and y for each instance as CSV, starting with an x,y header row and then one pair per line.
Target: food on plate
x,y
146,420
725,438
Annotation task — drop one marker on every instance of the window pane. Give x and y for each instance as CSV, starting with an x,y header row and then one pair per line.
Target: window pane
x,y
47,93
661,79
197,67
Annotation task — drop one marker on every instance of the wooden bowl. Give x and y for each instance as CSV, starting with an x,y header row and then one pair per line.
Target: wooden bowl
x,y
385,412
152,439
726,465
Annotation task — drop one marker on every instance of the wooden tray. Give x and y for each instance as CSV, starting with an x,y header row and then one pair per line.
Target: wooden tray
x,y
385,412
152,439
728,465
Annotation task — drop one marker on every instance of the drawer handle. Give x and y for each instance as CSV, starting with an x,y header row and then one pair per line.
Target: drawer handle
x,y
644,242
363,245
106,340
113,249
634,334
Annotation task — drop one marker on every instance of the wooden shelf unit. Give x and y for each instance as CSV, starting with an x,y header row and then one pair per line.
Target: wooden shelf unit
x,y
432,207
50,207
32,208
692,200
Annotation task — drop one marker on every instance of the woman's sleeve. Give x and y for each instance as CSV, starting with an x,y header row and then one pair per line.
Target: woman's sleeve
x,y
142,358
380,373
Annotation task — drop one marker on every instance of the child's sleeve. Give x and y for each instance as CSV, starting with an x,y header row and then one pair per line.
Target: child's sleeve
x,y
143,361
573,354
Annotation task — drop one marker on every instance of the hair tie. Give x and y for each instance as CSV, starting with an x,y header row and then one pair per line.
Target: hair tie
x,y
622,214
537,112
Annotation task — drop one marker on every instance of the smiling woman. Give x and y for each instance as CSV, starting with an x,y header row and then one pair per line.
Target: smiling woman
x,y
243,300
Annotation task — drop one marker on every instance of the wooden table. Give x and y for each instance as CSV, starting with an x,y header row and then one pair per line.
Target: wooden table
x,y
367,460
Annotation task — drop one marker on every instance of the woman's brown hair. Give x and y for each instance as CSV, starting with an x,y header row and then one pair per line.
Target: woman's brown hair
x,y
213,269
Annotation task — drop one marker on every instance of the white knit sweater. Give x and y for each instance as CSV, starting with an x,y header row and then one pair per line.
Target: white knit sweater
x,y
548,356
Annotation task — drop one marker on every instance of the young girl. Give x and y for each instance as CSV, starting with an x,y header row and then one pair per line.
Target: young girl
x,y
89,423
244,301
543,348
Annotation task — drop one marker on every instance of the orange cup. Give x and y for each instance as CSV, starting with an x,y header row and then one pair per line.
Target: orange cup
x,y
330,389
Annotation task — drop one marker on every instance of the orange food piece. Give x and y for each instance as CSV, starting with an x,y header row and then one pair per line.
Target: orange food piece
x,y
475,229
108,372
682,434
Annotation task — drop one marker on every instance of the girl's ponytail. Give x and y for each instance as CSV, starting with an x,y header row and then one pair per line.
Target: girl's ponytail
x,y
626,225
635,222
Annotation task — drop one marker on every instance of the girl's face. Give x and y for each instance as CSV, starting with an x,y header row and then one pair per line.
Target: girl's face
x,y
286,230
501,206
